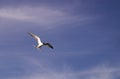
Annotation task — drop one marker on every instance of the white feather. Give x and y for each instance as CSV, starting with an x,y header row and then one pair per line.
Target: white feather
x,y
37,38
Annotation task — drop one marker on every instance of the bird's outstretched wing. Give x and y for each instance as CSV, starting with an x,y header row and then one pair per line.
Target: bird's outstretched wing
x,y
49,45
36,38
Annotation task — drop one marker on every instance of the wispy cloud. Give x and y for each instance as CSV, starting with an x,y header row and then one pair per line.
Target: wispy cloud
x,y
14,13
41,15
44,72
95,73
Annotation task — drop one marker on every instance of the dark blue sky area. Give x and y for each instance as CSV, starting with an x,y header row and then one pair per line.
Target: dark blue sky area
x,y
85,35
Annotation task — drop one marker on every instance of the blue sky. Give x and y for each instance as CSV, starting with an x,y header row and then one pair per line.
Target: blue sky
x,y
85,35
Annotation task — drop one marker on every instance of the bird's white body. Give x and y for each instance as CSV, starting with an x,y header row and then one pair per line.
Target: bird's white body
x,y
39,43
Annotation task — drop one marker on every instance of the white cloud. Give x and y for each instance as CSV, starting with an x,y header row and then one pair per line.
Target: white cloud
x,y
27,18
95,73
41,15
32,14
14,13
98,72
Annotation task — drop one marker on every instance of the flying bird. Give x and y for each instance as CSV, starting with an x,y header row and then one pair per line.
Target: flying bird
x,y
39,42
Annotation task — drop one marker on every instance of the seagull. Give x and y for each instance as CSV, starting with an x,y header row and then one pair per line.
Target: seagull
x,y
39,42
